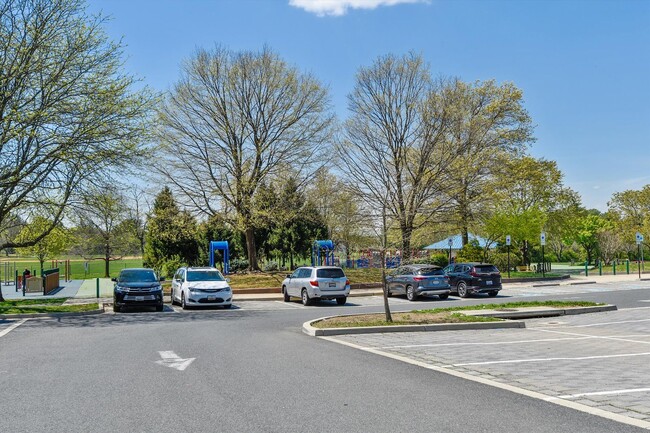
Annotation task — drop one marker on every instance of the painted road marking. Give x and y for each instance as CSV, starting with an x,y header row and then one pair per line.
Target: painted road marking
x,y
12,327
565,403
587,394
615,338
520,361
608,323
585,337
170,359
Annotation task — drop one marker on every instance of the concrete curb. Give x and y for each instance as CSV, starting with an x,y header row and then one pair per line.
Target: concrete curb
x,y
308,329
534,312
46,315
582,282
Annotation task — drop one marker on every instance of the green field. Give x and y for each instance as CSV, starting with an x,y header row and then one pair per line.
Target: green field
x,y
77,269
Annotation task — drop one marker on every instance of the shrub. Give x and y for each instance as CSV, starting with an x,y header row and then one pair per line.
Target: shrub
x,y
237,265
271,266
439,259
170,266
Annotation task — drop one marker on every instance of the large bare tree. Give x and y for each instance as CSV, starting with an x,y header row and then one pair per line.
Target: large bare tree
x,y
395,146
235,120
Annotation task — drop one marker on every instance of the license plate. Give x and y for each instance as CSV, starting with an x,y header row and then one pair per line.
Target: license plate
x,y
489,283
332,284
211,298
139,298
435,282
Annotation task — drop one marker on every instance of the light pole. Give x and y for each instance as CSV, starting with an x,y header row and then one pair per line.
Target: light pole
x,y
542,239
450,241
508,241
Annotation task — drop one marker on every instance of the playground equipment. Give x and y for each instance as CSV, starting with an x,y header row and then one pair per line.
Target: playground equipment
x,y
223,247
8,276
322,253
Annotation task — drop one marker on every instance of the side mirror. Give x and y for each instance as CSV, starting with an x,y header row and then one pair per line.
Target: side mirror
x,y
114,280
161,279
288,275
227,280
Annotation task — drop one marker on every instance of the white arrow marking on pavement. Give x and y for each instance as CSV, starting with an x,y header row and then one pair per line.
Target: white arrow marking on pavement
x,y
170,359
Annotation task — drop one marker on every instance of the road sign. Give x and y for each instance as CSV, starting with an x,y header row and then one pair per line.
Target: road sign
x,y
508,240
542,238
639,238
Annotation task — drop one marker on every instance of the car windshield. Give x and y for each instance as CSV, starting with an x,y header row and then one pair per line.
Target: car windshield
x,y
138,276
208,275
485,269
431,271
330,273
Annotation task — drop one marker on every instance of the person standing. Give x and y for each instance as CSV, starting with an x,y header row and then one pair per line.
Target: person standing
x,y
26,274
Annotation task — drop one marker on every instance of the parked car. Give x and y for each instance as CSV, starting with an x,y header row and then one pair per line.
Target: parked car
x,y
416,280
317,282
197,286
137,287
469,278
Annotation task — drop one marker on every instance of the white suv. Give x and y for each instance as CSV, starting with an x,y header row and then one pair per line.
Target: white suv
x,y
317,282
200,287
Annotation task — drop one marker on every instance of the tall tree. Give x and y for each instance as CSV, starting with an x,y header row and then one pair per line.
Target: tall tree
x,y
395,146
171,233
488,122
68,112
235,120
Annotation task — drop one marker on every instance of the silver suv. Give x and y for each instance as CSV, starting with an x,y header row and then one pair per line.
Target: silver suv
x,y
315,283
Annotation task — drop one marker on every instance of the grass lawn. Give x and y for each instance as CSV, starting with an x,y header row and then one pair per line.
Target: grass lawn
x,y
439,315
77,270
29,306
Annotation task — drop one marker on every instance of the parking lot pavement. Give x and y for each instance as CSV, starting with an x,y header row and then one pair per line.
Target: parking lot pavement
x,y
6,326
598,363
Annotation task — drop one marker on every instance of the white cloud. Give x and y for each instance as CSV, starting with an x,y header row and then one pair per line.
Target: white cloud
x,y
340,7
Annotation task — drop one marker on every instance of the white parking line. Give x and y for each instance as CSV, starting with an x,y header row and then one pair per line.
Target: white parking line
x,y
586,337
12,327
588,394
608,323
603,337
519,361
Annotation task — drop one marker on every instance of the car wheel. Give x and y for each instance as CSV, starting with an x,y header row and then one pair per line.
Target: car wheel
x,y
389,294
462,289
116,308
410,293
160,307
227,306
493,293
171,295
184,305
287,298
341,301
305,297
445,296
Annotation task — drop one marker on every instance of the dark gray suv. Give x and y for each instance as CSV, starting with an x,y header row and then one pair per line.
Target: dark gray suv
x,y
416,280
469,278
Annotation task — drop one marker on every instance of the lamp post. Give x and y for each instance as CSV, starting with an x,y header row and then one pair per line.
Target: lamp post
x,y
639,239
450,242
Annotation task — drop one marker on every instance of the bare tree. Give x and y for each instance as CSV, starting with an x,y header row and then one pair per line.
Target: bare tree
x,y
395,147
234,121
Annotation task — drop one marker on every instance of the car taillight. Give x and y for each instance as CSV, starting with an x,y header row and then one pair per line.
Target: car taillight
x,y
347,282
419,278
474,274
314,283
446,277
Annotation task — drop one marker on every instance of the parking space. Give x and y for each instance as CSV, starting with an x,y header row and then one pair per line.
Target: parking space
x,y
599,361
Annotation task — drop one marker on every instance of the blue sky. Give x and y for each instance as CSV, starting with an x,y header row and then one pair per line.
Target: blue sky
x,y
584,66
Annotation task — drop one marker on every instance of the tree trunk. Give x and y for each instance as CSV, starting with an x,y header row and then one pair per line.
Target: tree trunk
x,y
406,243
250,248
107,260
389,317
465,234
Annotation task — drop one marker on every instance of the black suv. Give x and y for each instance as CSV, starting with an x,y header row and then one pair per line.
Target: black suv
x,y
469,278
137,287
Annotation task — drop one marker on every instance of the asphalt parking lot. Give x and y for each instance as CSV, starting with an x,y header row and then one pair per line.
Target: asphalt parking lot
x,y
598,363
